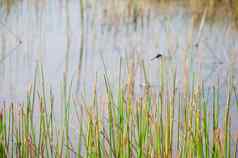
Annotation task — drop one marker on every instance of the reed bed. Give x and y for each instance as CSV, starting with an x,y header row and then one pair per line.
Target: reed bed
x,y
172,122
230,6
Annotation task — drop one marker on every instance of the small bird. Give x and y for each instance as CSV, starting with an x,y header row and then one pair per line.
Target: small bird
x,y
157,56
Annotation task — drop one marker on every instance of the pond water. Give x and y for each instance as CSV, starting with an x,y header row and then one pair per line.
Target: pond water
x,y
51,34
48,32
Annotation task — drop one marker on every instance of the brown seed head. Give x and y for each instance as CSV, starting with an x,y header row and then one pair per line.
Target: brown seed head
x,y
1,115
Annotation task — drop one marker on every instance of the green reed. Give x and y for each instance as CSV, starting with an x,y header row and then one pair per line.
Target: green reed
x,y
164,124
169,122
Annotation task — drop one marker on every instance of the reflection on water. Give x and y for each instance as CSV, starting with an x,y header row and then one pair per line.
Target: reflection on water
x,y
51,34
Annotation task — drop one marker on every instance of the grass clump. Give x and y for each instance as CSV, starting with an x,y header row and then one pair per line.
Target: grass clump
x,y
172,122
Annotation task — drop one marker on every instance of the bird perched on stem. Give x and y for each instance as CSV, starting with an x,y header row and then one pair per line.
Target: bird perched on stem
x,y
157,57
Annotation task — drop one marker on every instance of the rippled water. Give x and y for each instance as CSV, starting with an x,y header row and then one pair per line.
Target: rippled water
x,y
51,34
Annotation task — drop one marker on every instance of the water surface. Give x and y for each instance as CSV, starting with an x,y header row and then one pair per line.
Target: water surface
x,y
54,35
